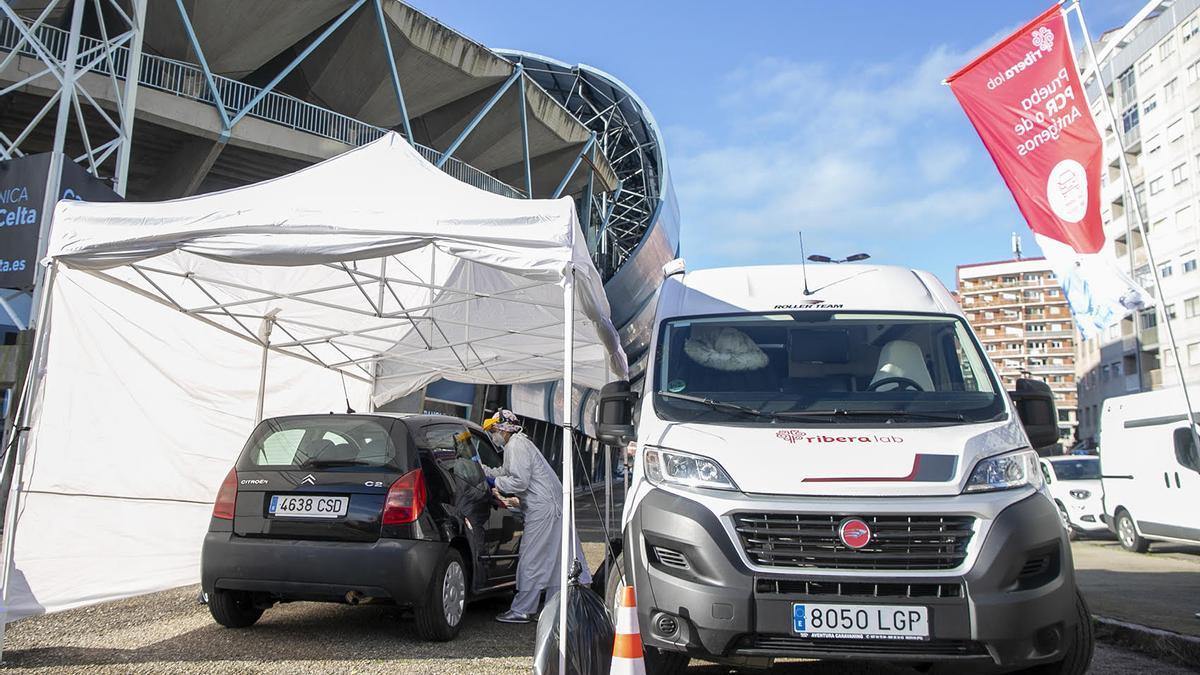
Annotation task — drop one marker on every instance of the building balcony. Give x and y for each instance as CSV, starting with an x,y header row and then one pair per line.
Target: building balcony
x,y
188,81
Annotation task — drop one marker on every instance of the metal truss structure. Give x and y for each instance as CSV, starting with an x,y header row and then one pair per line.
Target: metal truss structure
x,y
627,136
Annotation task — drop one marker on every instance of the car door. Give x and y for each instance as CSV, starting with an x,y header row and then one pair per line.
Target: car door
x,y
505,526
1185,481
467,497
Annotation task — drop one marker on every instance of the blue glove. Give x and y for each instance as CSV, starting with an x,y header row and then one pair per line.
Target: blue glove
x,y
491,482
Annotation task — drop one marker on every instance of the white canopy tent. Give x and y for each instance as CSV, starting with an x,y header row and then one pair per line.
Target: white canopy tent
x,y
170,328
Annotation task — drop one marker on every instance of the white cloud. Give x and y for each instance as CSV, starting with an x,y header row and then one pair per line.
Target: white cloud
x,y
849,156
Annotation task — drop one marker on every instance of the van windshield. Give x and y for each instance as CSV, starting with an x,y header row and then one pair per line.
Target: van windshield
x,y
1077,469
821,368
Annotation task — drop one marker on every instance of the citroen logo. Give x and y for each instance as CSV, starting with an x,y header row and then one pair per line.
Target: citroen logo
x,y
308,480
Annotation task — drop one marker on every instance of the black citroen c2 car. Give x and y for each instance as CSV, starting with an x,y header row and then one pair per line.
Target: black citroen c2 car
x,y
356,508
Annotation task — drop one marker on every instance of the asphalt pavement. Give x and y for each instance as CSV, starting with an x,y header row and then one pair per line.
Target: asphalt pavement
x,y
171,632
1159,589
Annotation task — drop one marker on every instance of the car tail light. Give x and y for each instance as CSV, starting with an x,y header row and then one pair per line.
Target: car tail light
x,y
226,497
405,499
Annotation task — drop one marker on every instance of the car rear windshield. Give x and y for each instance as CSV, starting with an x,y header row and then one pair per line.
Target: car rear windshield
x,y
323,441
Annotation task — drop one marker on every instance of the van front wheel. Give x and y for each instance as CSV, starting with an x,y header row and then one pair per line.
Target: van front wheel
x,y
1080,646
658,662
1127,533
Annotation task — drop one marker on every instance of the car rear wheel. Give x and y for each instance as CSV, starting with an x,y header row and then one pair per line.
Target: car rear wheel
x,y
233,609
1128,535
440,618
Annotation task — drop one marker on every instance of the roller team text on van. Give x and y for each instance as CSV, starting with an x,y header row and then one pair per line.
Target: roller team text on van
x,y
838,474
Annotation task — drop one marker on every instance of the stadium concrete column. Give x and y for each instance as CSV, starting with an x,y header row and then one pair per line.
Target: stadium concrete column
x,y
182,172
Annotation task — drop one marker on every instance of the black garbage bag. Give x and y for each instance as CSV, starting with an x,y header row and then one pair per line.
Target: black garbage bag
x,y
589,634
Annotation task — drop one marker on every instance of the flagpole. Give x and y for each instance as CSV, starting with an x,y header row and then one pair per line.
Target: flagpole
x,y
1141,226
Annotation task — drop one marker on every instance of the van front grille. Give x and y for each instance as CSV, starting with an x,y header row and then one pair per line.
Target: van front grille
x,y
897,542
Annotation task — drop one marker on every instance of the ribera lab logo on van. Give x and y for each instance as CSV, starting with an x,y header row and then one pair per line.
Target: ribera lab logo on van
x,y
795,436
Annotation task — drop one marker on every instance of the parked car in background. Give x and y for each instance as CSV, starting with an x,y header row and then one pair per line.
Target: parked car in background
x,y
357,508
1151,469
1074,484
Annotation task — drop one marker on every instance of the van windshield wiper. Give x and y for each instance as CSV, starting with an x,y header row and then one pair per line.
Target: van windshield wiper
x,y
718,405
842,412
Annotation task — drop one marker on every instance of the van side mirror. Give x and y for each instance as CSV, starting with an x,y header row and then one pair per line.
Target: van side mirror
x,y
1185,449
1035,406
614,414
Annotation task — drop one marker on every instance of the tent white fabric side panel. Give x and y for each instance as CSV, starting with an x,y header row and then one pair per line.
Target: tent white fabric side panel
x,y
145,410
371,261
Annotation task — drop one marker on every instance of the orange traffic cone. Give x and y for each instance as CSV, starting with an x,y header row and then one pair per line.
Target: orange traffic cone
x,y
627,644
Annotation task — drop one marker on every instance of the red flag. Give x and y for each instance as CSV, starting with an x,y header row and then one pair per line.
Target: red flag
x,y
1025,99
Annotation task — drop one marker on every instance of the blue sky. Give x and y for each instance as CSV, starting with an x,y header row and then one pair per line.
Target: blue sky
x,y
780,116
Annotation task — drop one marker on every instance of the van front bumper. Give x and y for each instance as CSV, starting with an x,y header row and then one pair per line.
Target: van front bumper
x,y
991,615
396,569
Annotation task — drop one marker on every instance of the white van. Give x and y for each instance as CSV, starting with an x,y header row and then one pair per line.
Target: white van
x,y
835,473
1150,469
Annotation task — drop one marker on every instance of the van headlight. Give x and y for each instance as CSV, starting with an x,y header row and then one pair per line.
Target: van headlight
x,y
1005,472
683,468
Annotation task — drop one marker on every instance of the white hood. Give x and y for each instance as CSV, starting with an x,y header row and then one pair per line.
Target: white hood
x,y
842,460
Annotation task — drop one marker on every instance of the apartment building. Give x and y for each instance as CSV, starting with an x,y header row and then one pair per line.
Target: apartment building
x,y
1020,314
1150,73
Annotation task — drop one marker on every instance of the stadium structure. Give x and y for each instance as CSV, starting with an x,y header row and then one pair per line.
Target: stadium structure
x,y
229,92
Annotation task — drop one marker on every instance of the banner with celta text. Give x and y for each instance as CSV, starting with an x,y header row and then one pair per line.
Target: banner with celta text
x,y
1025,99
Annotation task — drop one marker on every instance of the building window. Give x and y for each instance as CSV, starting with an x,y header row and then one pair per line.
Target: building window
x,y
1170,89
1129,119
1183,217
1190,28
1156,185
1194,355
1165,270
1149,320
1189,262
1139,198
1175,131
1178,174
1193,72
1153,144
1104,374
1168,357
1156,224
1166,49
1116,369
1145,65
1170,311
1191,307
1149,104
1128,87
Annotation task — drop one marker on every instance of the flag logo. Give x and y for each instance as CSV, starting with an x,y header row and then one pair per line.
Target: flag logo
x,y
1043,39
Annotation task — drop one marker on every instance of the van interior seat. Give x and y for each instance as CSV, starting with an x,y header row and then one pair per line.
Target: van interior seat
x,y
903,358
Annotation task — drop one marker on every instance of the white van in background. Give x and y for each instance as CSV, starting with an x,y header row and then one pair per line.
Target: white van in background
x,y
830,469
1150,468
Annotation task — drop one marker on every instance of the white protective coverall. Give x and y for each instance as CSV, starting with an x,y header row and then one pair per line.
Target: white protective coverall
x,y
527,475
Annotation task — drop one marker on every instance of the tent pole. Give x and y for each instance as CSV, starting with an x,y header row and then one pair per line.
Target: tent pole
x,y
265,335
568,510
29,395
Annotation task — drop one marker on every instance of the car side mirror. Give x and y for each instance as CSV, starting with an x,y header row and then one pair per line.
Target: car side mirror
x,y
1035,406
614,414
1185,449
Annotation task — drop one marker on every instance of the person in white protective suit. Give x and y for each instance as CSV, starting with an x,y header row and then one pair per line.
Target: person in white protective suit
x,y
527,476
